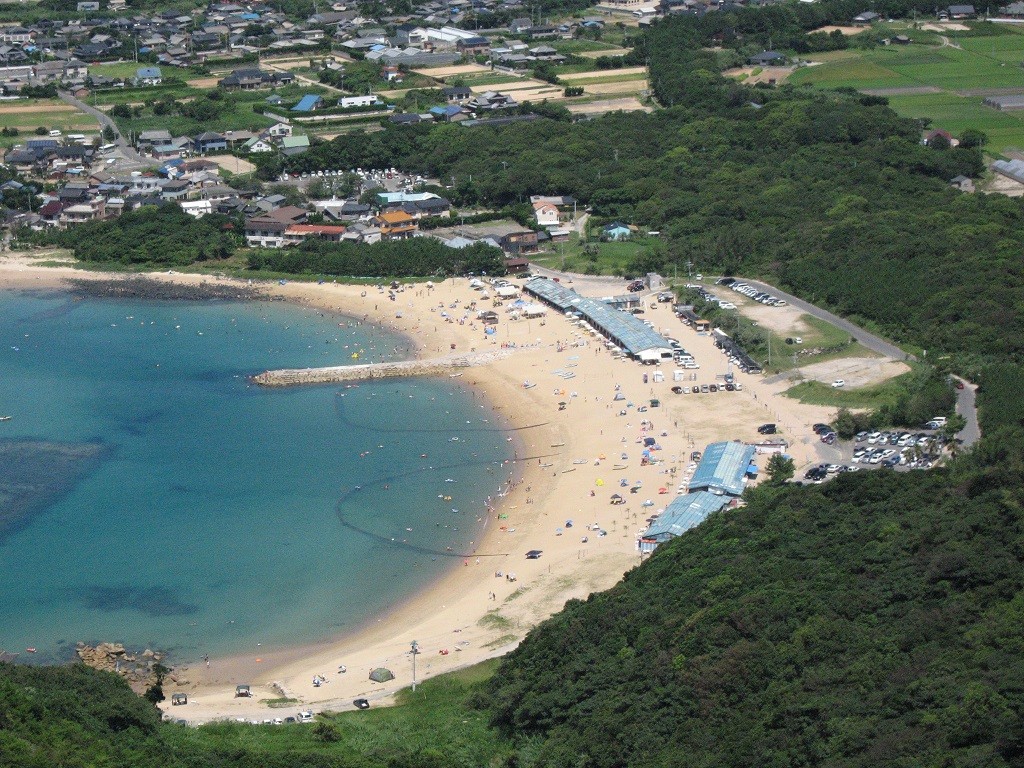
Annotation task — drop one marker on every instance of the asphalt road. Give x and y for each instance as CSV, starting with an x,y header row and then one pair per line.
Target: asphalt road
x,y
126,150
866,339
966,406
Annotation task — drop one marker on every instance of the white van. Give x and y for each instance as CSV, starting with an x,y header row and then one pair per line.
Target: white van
x,y
305,716
55,133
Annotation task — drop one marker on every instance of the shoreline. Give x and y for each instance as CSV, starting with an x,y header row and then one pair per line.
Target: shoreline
x,y
467,614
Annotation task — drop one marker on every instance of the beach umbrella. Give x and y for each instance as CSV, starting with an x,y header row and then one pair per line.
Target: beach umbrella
x,y
663,490
648,503
599,482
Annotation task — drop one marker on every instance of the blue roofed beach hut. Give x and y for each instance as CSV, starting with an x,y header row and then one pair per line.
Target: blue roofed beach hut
x,y
723,468
685,512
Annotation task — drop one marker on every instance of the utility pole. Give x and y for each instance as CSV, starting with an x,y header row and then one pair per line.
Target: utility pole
x,y
415,653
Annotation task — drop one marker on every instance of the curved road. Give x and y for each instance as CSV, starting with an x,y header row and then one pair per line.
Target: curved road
x,y
105,121
866,339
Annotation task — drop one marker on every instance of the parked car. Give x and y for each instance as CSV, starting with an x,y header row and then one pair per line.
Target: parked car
x,y
838,384
361,704
767,429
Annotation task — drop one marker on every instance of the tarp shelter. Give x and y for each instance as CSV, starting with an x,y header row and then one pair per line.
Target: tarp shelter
x,y
534,310
507,291
382,675
179,698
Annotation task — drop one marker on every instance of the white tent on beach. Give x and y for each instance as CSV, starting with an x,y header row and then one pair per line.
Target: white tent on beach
x,y
534,310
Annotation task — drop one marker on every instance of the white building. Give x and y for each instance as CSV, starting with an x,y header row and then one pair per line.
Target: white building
x,y
359,101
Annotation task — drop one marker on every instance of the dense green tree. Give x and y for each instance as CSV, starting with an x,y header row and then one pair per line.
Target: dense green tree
x,y
780,469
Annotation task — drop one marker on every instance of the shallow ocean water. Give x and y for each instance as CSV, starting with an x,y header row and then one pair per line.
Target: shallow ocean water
x,y
150,495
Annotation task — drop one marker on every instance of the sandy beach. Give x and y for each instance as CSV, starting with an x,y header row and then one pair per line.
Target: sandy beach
x,y
569,463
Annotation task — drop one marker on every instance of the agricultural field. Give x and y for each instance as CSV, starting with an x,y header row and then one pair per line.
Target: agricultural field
x,y
945,81
27,116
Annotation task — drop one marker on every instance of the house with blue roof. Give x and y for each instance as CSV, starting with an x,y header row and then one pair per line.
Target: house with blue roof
x,y
148,76
309,103
616,231
446,113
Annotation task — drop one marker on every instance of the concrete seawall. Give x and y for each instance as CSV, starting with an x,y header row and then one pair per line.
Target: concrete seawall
x,y
290,377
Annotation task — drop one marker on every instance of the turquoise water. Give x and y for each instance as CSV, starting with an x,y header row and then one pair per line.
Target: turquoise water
x,y
150,495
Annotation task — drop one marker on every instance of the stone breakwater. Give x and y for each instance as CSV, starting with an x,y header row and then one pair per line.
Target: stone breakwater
x,y
437,366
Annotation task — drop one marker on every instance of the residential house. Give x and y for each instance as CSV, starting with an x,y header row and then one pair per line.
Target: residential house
x,y
491,100
546,213
297,233
867,17
958,12
148,76
294,145
767,59
175,190
471,46
542,32
457,94
616,231
153,138
448,114
396,225
197,208
209,141
519,26
370,100
309,103
268,230
938,137
258,144
519,242
264,232
165,152
51,71
16,35
251,79
279,130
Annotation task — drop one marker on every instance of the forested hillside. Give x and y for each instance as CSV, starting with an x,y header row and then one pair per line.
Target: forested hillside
x,y
877,620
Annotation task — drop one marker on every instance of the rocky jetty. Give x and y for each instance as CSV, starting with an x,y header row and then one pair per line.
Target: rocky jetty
x,y
368,371
138,669
146,288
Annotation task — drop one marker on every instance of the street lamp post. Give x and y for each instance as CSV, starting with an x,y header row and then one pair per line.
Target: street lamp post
x,y
415,653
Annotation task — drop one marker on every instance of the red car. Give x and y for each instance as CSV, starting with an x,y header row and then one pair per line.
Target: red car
x,y
959,384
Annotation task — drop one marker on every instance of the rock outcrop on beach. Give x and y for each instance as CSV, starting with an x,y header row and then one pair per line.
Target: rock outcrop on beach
x,y
138,669
145,288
